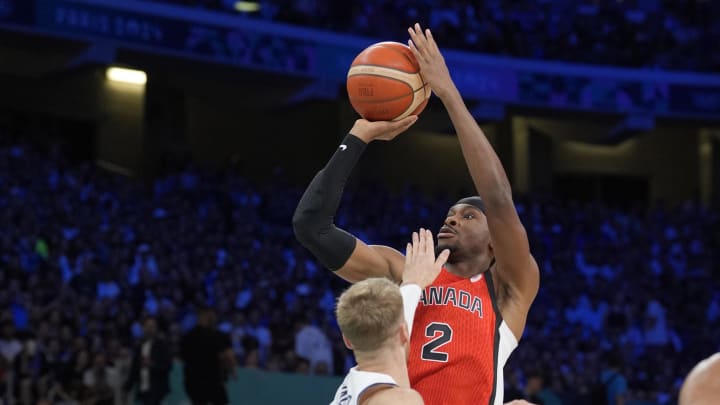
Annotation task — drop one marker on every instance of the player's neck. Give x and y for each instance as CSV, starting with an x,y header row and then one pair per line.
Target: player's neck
x,y
390,361
470,268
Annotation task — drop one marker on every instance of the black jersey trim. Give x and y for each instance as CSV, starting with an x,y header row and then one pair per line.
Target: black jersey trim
x,y
496,344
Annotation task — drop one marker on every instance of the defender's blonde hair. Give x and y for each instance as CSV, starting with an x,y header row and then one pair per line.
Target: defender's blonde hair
x,y
369,312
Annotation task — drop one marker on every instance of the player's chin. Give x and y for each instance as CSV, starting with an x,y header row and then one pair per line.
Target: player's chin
x,y
442,245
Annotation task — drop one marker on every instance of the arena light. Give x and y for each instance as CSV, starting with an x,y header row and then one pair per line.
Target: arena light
x,y
123,75
247,6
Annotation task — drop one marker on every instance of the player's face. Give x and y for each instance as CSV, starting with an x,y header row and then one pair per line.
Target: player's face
x,y
464,231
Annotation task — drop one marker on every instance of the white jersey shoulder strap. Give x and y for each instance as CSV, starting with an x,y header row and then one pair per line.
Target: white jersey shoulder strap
x,y
355,383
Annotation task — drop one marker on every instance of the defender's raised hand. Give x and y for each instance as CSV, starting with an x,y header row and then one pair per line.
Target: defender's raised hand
x,y
421,266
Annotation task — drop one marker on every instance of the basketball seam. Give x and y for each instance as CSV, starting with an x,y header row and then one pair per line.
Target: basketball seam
x,y
401,53
412,93
382,67
397,80
416,101
398,75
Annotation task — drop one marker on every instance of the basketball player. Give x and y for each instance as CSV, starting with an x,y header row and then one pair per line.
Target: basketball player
x,y
472,316
702,385
375,318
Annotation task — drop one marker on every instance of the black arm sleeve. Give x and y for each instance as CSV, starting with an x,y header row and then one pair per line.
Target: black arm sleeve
x,y
315,213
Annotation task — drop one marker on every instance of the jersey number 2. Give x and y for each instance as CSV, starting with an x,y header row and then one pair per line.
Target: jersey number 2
x,y
441,334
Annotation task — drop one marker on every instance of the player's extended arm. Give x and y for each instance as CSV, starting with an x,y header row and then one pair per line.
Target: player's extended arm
x,y
508,236
313,221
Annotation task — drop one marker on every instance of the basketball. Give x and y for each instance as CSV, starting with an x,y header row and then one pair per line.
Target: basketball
x,y
384,83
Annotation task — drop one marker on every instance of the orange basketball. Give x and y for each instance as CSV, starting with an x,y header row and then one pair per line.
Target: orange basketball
x,y
384,83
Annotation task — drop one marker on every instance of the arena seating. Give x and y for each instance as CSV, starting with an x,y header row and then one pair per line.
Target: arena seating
x,y
652,34
87,254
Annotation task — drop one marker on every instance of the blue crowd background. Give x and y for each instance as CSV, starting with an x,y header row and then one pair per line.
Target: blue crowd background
x,y
87,255
655,34
628,289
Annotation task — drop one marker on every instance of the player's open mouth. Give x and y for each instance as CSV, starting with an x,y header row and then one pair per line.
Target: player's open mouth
x,y
445,232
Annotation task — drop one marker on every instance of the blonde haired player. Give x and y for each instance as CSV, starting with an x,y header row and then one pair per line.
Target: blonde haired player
x,y
702,385
375,317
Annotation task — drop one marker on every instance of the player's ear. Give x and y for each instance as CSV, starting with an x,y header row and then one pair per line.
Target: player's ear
x,y
404,333
347,342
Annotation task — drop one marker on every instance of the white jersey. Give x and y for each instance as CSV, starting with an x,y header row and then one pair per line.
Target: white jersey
x,y
355,383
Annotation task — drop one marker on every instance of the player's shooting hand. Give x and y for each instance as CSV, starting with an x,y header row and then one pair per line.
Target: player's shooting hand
x,y
421,266
432,64
369,131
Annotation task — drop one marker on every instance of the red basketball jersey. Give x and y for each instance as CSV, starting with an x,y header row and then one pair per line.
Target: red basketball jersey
x,y
459,343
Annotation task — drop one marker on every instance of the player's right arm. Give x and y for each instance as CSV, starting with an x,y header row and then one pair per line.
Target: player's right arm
x,y
517,270
338,250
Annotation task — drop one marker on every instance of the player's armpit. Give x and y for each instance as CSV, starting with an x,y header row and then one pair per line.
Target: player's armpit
x,y
372,261
517,268
393,396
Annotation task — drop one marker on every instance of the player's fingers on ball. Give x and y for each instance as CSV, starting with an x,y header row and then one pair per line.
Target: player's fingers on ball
x,y
430,45
418,55
419,38
412,47
395,128
405,122
430,40
414,38
412,33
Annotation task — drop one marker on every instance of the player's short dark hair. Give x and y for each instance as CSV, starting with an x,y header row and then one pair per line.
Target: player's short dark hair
x,y
474,200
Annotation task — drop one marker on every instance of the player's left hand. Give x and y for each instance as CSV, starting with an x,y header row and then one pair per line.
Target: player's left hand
x,y
421,266
432,64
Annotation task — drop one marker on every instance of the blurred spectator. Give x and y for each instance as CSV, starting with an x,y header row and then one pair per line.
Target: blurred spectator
x,y
638,33
150,369
100,382
207,359
30,384
535,390
118,252
10,346
613,381
313,345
